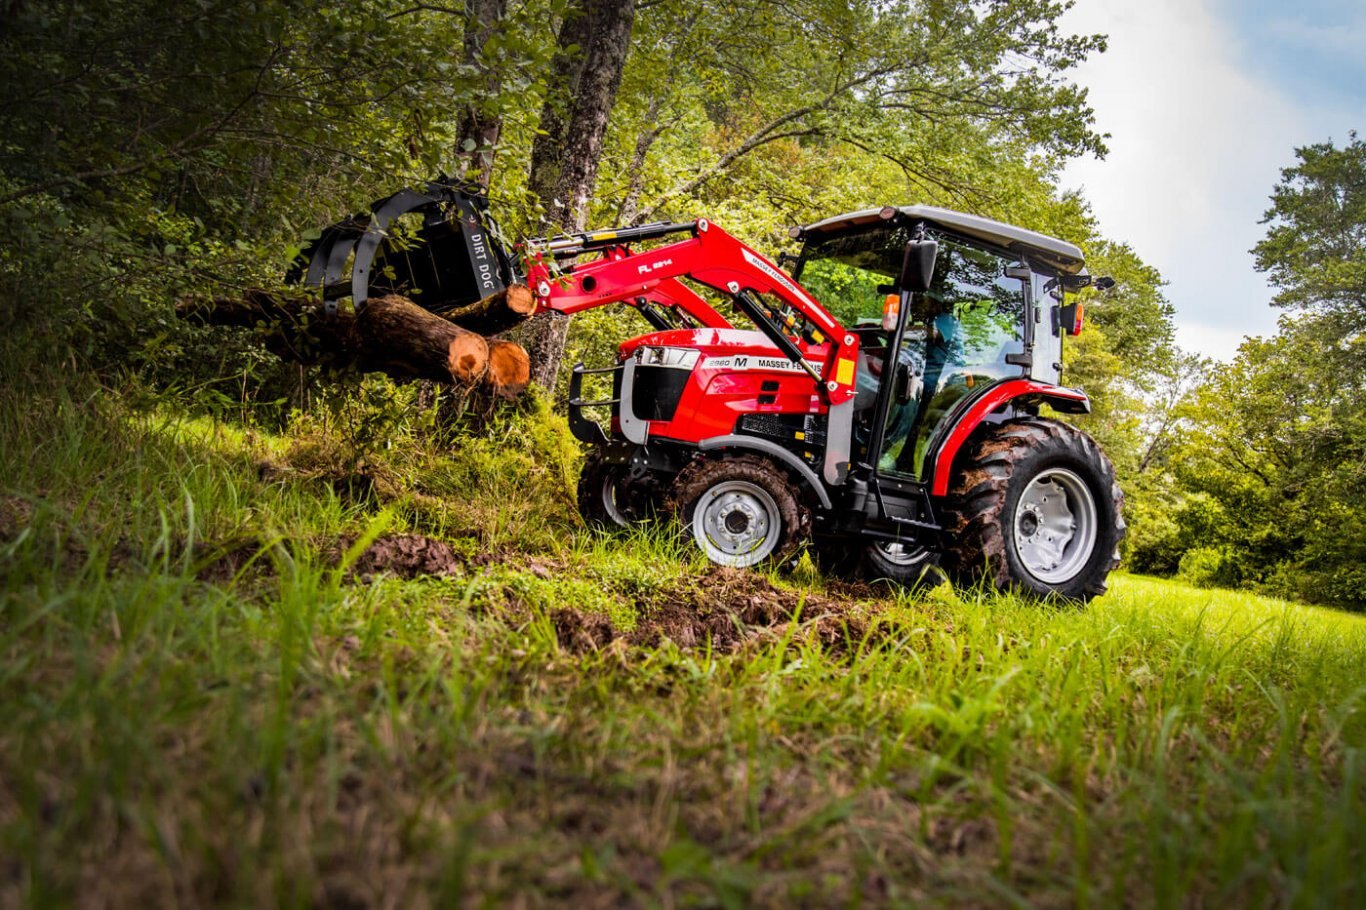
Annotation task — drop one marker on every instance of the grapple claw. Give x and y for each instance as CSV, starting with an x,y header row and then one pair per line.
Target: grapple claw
x,y
456,256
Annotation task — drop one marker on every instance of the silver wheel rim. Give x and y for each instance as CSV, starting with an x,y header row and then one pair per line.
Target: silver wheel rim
x,y
900,554
737,523
1055,526
607,493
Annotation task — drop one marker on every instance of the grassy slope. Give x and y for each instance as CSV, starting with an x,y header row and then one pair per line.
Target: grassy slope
x,y
196,705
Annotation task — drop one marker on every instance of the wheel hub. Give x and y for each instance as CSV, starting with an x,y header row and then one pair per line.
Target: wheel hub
x,y
736,523
902,554
1055,526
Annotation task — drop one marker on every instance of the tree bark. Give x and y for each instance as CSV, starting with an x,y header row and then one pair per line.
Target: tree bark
x,y
630,204
571,49
564,161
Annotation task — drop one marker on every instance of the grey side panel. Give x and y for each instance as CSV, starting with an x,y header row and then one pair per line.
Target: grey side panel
x,y
632,427
1047,366
774,451
839,441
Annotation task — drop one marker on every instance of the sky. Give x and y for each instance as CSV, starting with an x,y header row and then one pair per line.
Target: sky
x,y
1205,101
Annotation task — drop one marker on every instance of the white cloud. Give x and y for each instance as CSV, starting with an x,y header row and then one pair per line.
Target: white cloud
x,y
1196,144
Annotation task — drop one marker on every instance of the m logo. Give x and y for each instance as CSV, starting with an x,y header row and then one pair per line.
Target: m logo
x,y
742,363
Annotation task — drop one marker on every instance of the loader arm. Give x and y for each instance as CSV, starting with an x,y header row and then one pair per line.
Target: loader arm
x,y
710,257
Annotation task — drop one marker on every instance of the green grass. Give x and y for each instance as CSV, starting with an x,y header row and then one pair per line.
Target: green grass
x,y
199,704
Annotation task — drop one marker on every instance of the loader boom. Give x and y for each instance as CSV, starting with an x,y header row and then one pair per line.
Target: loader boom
x,y
791,318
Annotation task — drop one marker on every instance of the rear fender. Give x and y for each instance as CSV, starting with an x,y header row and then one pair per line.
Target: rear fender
x,y
1068,401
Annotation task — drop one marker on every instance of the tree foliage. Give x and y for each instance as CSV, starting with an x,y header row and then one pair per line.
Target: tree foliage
x,y
1273,463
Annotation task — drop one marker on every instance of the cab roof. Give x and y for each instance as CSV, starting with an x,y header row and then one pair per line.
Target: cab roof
x,y
1042,249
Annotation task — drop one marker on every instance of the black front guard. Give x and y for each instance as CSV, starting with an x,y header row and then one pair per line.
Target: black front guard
x,y
585,429
456,257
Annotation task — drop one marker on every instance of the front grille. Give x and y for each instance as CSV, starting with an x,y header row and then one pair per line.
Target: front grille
x,y
801,433
656,390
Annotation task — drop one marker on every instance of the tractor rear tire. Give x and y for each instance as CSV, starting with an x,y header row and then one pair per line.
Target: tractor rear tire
x,y
1035,509
610,498
740,510
908,565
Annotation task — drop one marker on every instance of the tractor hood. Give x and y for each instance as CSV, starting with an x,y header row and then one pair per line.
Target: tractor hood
x,y
753,350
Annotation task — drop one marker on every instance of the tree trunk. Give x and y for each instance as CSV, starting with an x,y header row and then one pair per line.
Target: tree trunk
x,y
479,128
630,204
564,161
571,48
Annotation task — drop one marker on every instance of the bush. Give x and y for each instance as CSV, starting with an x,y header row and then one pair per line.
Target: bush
x,y
1209,567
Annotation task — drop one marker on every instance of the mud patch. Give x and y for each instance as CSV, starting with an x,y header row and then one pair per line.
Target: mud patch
x,y
407,556
726,608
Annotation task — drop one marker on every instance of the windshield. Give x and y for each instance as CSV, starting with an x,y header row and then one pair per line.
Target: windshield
x,y
851,275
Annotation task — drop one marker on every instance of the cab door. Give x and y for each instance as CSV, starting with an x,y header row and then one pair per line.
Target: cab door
x,y
958,337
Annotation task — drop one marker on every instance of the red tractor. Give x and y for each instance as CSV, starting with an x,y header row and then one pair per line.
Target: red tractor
x,y
879,404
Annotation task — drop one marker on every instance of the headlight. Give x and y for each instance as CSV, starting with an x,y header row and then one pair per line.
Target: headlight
x,y
674,358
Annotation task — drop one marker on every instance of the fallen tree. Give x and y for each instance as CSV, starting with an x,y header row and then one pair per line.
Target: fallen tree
x,y
391,335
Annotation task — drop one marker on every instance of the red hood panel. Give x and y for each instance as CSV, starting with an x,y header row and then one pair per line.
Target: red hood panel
x,y
717,342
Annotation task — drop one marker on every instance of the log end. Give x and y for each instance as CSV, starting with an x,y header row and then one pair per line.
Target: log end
x,y
520,300
468,358
509,369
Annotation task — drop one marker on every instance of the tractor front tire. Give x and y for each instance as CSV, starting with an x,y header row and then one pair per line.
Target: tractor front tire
x,y
610,498
1035,509
740,510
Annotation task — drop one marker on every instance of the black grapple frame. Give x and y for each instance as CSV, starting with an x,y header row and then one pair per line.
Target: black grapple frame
x,y
456,256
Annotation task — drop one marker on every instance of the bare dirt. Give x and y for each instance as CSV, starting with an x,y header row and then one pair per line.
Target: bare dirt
x,y
407,556
728,608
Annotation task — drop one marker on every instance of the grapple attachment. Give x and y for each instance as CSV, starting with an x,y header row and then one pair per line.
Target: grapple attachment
x,y
449,253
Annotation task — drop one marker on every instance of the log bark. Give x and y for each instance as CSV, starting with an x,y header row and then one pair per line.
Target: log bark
x,y
397,337
392,335
496,313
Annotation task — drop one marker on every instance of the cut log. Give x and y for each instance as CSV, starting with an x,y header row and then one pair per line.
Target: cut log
x,y
392,335
509,370
397,337
296,329
495,313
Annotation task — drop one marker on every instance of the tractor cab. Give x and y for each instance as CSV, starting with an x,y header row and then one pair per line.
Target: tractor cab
x,y
989,311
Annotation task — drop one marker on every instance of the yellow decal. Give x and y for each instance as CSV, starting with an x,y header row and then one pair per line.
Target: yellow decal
x,y
844,373
604,235
799,435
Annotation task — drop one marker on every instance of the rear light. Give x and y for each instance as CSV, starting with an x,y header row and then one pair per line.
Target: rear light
x,y
1071,318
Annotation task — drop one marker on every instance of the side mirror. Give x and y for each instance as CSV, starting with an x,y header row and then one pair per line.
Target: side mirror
x,y
917,268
